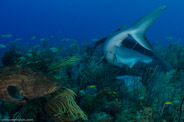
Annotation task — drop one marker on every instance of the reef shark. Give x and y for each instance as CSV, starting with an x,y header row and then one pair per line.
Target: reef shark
x,y
117,54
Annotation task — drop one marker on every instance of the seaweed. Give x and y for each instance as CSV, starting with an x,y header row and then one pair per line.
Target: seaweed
x,y
62,64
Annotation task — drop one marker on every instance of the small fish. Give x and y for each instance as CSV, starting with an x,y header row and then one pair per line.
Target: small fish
x,y
51,36
2,46
18,39
33,37
30,54
116,100
168,103
6,35
36,46
73,45
169,37
54,49
43,39
92,86
74,41
114,92
58,77
122,26
65,39
95,39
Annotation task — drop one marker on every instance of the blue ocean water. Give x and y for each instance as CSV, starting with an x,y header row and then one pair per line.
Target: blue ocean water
x,y
86,19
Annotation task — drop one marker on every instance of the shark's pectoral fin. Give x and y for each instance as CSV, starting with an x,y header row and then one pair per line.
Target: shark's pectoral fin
x,y
140,37
122,61
124,57
129,57
137,30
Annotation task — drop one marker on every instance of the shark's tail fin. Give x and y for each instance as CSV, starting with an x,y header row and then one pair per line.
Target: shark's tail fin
x,y
167,67
138,29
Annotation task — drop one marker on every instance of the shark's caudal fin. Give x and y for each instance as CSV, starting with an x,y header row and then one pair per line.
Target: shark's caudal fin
x,y
138,29
167,67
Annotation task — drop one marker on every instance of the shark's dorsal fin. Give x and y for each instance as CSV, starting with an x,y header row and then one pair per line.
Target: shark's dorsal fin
x,y
138,29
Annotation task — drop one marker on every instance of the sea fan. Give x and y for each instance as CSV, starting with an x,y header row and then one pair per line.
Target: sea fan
x,y
63,107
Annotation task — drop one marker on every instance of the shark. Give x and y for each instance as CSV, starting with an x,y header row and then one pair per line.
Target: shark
x,y
119,55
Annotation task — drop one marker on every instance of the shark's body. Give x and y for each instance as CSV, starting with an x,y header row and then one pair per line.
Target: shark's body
x,y
117,54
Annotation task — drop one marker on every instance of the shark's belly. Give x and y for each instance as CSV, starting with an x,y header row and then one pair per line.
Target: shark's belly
x,y
110,57
112,44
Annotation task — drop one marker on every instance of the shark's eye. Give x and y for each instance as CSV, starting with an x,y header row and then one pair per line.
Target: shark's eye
x,y
13,91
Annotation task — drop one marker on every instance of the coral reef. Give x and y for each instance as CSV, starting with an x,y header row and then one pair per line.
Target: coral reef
x,y
174,54
35,87
10,58
35,60
90,91
62,64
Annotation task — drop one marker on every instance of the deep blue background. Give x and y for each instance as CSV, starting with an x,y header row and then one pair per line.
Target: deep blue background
x,y
86,19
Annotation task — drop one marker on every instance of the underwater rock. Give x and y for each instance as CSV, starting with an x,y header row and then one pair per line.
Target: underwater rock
x,y
31,84
82,93
129,82
101,117
91,90
92,103
145,116
100,98
9,58
112,109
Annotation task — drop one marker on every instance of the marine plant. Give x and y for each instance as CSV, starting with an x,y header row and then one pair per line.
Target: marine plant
x,y
35,60
174,55
62,64
37,90
158,98
16,48
62,107
100,75
59,105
